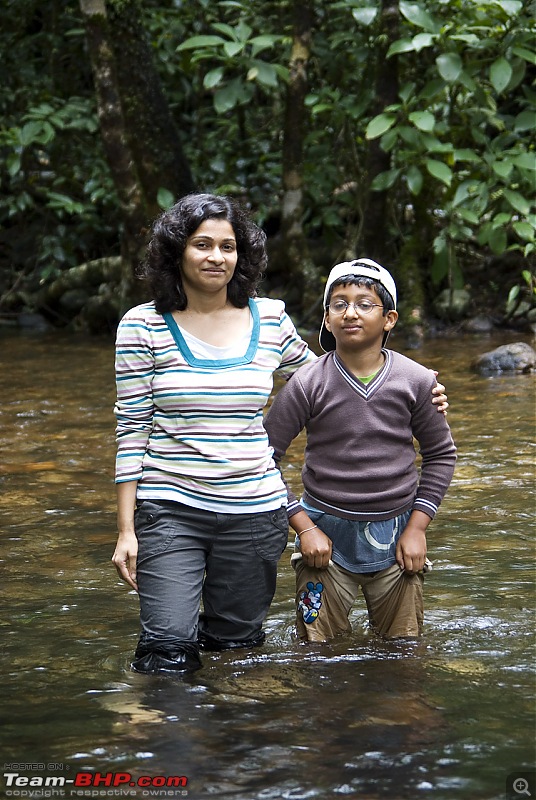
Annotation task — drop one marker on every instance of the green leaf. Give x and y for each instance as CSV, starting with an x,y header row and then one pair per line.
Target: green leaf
x,y
243,31
501,219
422,40
499,74
450,66
433,144
468,38
30,133
231,49
320,107
524,230
164,198
423,120
409,135
440,265
212,78
526,121
502,168
513,294
512,7
264,73
414,178
379,125
385,180
465,154
227,97
400,46
13,164
525,160
406,92
222,27
198,42
527,55
388,140
439,170
468,215
517,201
498,241
366,15
259,43
418,16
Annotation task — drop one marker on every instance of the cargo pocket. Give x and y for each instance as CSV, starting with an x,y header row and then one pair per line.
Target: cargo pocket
x,y
269,533
153,522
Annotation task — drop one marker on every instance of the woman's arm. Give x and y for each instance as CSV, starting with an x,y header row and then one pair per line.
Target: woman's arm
x,y
126,549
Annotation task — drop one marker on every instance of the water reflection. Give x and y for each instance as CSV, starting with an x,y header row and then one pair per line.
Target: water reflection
x,y
447,717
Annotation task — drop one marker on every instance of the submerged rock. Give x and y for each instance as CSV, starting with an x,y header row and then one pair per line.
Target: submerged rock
x,y
515,357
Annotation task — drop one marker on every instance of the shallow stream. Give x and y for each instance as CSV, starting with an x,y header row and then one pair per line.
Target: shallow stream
x,y
449,718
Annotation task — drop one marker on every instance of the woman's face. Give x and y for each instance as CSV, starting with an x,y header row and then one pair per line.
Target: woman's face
x,y
210,257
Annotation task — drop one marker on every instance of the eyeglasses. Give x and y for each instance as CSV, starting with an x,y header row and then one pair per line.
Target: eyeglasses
x,y
361,307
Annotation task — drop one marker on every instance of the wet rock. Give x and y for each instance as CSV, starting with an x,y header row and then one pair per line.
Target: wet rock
x,y
515,357
478,325
452,304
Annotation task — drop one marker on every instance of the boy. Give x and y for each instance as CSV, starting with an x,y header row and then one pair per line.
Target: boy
x,y
362,520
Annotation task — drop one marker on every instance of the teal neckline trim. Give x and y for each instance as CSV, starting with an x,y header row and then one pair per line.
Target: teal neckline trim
x,y
223,363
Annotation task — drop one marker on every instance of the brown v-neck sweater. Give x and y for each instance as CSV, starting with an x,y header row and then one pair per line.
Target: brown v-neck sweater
x,y
360,458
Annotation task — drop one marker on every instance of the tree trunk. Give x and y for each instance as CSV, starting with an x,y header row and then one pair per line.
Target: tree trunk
x,y
117,152
150,127
301,271
377,240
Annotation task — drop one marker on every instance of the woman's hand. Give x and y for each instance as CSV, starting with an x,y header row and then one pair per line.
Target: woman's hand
x,y
124,558
439,396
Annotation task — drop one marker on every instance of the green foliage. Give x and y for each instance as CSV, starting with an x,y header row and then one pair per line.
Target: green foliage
x,y
458,135
458,132
522,296
57,206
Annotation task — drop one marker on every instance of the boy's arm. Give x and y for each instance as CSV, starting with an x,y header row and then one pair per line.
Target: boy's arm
x,y
438,459
437,450
411,547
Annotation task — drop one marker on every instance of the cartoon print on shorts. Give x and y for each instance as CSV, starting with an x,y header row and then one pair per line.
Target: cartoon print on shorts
x,y
310,601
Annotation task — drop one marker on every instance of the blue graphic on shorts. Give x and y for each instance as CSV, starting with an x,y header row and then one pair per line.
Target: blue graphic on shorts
x,y
310,601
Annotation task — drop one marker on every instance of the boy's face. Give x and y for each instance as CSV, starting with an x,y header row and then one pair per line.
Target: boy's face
x,y
354,330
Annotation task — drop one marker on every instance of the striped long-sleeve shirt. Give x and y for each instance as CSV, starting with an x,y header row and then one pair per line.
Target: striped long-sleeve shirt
x,y
191,429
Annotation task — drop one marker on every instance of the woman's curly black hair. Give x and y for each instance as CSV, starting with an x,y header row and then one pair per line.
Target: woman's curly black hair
x,y
170,232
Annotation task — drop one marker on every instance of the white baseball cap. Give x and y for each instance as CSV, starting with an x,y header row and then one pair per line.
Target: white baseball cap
x,y
360,268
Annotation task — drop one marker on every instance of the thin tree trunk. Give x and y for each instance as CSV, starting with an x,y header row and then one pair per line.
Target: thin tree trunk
x,y
296,252
151,129
115,141
376,235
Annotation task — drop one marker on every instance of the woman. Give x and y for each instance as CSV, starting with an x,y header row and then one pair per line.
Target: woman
x,y
201,505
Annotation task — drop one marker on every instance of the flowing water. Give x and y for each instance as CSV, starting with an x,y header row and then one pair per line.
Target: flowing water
x,y
450,717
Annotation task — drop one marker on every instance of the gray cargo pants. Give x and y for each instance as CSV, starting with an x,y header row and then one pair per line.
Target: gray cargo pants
x,y
188,556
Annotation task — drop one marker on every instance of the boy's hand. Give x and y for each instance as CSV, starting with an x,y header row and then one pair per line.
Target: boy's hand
x,y
315,548
411,547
